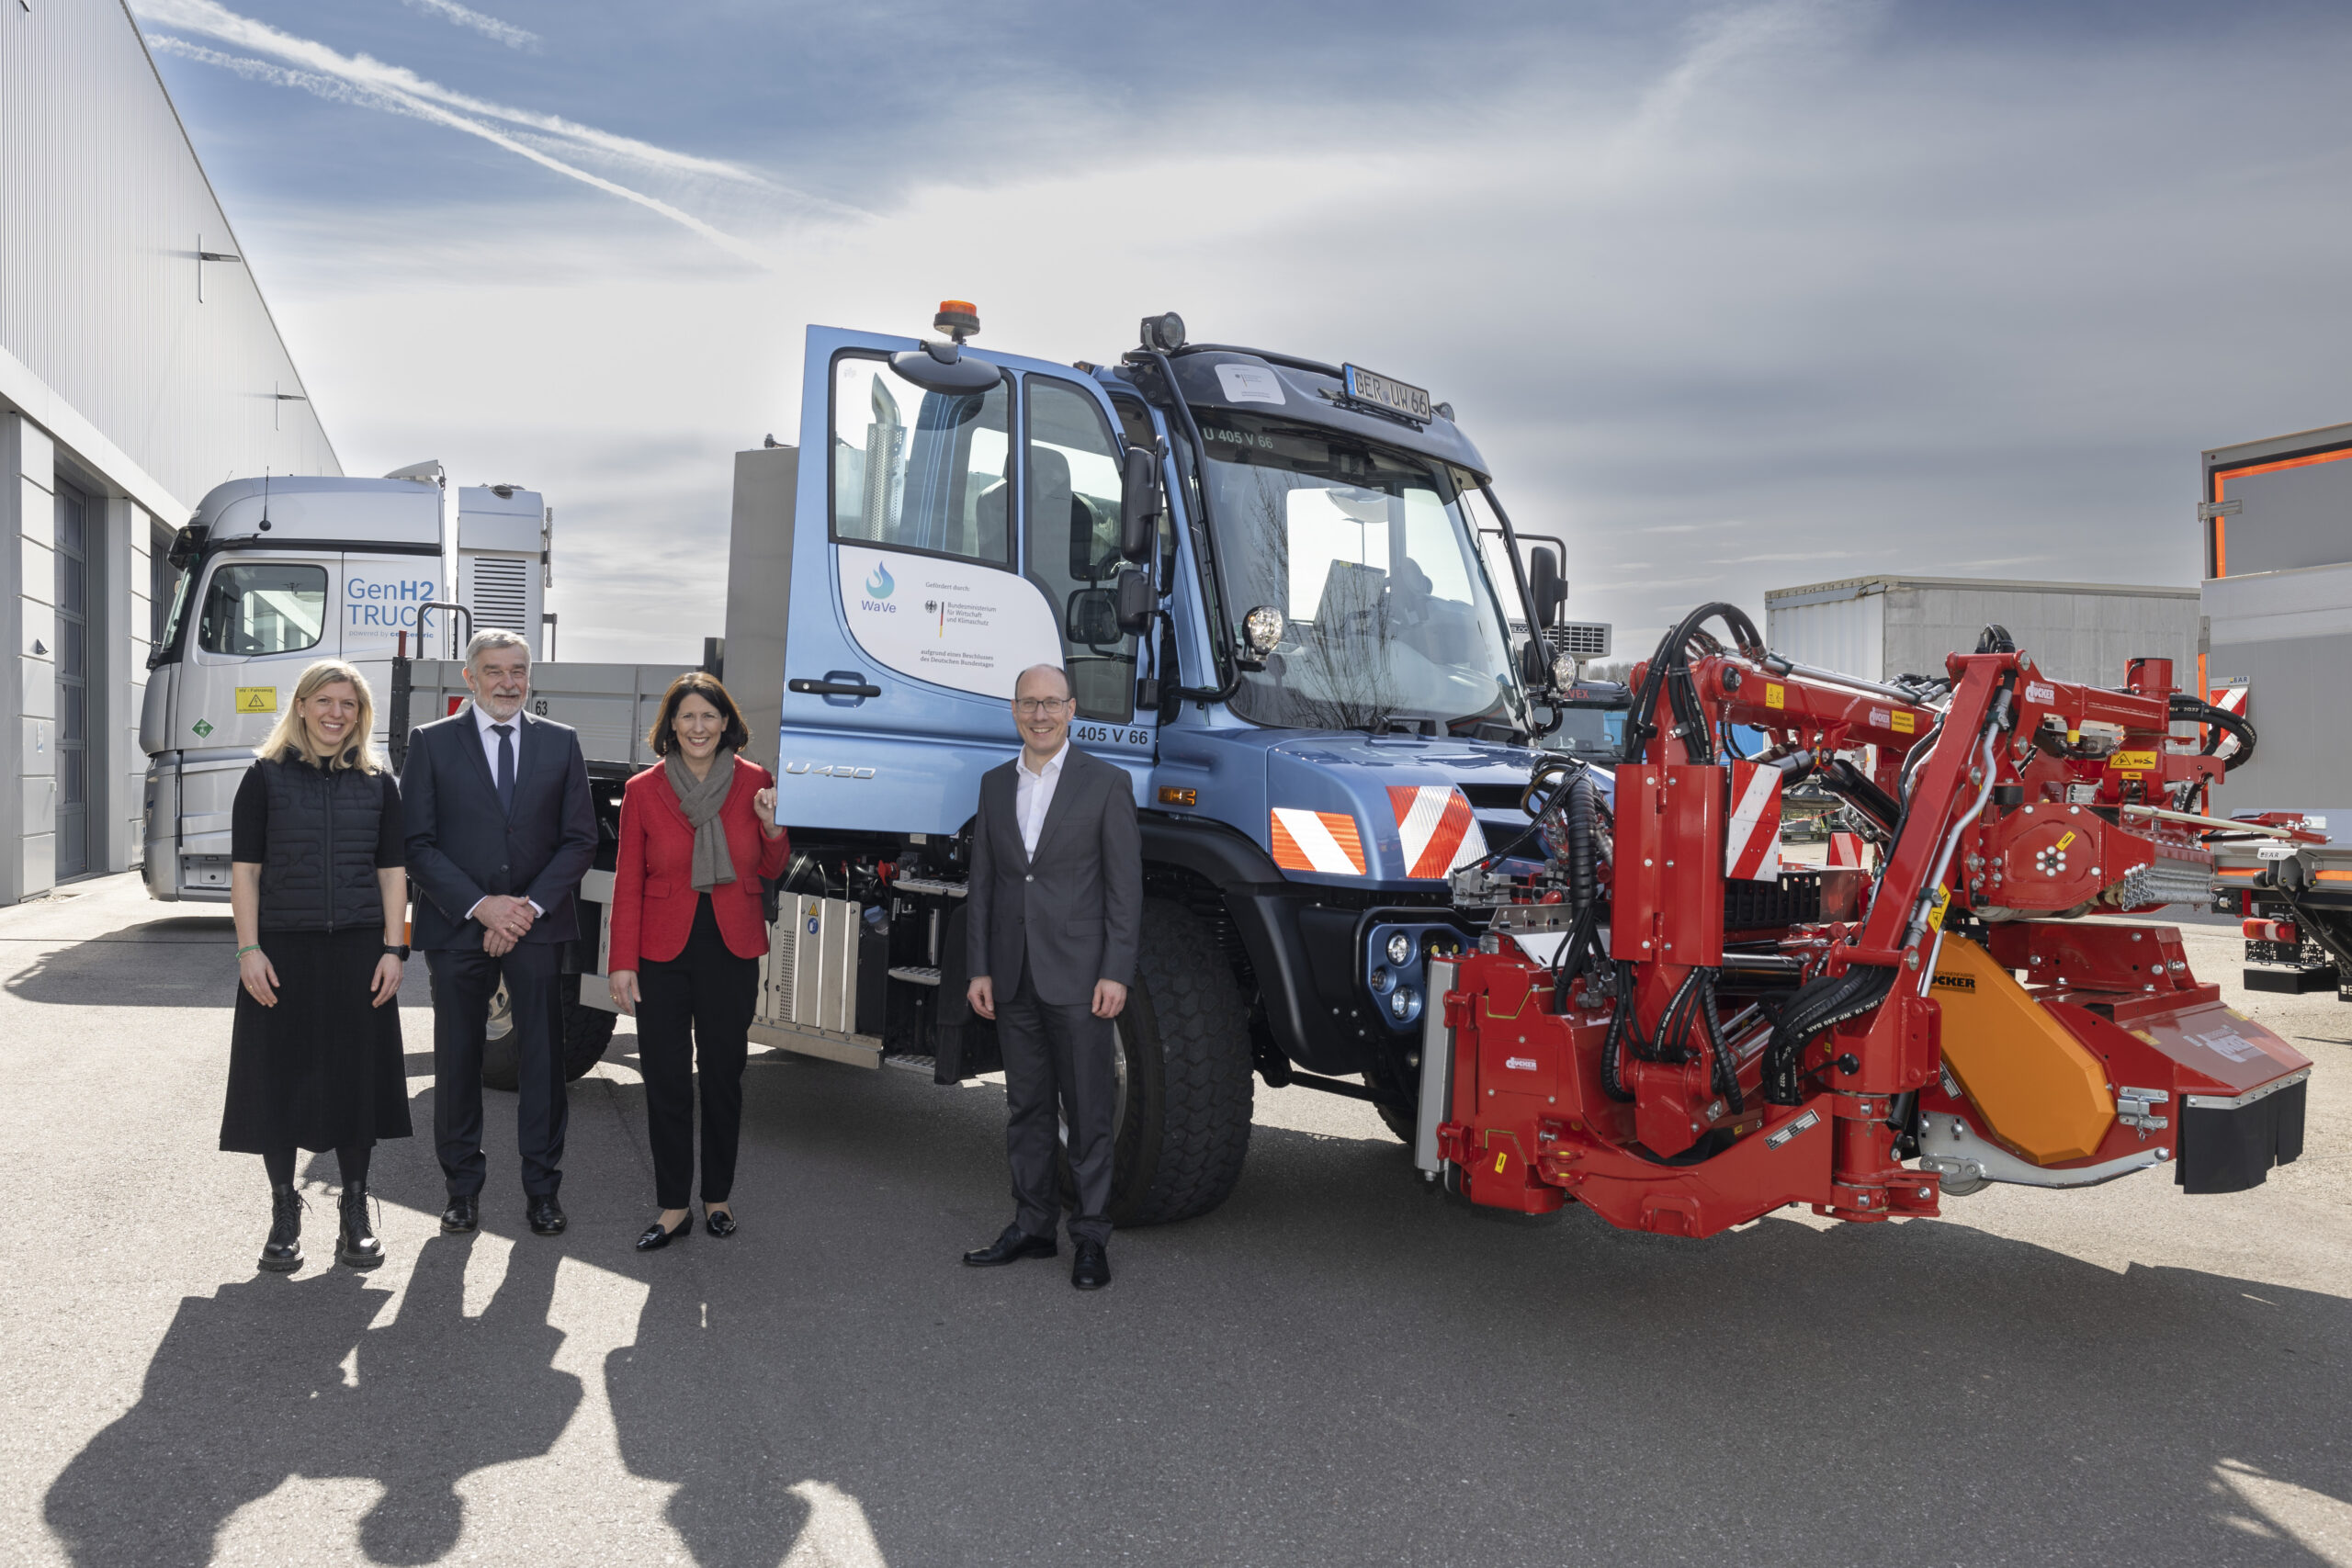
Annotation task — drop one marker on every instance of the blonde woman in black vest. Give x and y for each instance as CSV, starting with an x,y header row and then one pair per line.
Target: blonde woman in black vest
x,y
319,884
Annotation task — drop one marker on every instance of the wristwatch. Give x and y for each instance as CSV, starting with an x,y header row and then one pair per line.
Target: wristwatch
x,y
397,950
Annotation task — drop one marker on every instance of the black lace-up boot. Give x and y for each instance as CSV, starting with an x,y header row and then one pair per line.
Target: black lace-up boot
x,y
358,1247
282,1253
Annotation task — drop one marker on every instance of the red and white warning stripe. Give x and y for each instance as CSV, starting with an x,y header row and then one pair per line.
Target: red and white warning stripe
x,y
1438,827
2230,699
1752,837
1316,841
1844,849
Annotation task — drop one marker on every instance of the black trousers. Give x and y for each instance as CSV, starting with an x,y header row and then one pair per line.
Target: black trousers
x,y
464,980
1056,1054
351,1161
696,1006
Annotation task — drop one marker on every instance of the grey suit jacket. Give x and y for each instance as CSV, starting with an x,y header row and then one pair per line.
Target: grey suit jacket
x,y
1074,912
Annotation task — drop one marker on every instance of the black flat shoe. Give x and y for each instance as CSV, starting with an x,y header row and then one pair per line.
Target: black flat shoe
x,y
356,1247
1091,1268
546,1216
658,1235
460,1217
1013,1245
717,1223
282,1253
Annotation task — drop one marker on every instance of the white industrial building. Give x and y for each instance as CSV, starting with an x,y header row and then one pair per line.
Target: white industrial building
x,y
1879,627
139,367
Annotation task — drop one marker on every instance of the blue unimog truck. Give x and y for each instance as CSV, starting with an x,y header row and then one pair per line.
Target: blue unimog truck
x,y
1269,580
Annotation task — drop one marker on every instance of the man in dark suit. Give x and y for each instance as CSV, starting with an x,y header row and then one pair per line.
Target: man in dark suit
x,y
500,832
1052,917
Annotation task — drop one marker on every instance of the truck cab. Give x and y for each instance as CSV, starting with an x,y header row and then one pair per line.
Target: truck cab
x,y
1264,576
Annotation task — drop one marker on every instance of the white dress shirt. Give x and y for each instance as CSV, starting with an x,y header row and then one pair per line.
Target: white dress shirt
x,y
482,721
1033,794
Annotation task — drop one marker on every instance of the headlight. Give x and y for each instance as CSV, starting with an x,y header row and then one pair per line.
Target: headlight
x,y
1263,628
1400,948
1400,1005
1381,979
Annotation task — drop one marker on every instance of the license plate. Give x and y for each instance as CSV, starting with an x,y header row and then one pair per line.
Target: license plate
x,y
1364,387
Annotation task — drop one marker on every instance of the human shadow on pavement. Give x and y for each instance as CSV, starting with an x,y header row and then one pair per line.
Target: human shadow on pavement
x,y
177,963
249,1388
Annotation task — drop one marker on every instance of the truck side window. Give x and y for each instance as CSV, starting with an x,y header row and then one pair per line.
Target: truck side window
x,y
917,470
260,609
1073,498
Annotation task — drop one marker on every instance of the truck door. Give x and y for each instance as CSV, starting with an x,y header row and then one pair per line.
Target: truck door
x,y
943,543
261,617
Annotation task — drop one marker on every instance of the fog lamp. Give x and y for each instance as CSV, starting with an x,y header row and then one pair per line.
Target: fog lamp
x,y
1381,979
1400,1004
1400,948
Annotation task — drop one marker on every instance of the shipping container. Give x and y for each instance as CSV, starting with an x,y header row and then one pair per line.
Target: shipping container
x,y
1879,627
2278,607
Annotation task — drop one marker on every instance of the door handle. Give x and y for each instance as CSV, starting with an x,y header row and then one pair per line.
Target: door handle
x,y
830,687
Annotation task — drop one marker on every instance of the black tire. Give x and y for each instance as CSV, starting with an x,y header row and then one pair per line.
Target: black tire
x,y
586,1032
1184,1120
1397,1122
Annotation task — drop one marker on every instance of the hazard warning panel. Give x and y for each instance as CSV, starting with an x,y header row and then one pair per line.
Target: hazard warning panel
x,y
1316,841
1438,831
1752,836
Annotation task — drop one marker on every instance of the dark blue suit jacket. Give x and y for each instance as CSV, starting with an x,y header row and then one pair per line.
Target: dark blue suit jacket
x,y
462,847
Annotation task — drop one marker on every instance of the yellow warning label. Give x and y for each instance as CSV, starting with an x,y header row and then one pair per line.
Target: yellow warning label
x,y
2142,760
256,699
1936,909
1775,695
1503,1157
1904,723
2064,841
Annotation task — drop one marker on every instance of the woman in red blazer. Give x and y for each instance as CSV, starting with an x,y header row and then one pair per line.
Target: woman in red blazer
x,y
698,831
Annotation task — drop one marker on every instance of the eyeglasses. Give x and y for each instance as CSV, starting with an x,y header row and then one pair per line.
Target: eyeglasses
x,y
1038,707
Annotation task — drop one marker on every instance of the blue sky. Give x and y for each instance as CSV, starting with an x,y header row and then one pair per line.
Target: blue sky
x,y
1733,297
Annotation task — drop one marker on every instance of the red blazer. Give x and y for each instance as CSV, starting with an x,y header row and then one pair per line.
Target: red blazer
x,y
653,893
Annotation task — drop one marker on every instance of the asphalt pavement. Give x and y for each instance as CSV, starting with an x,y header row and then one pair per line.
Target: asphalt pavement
x,y
1334,1367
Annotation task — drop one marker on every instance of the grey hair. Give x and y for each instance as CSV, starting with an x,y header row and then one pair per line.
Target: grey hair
x,y
483,642
1068,690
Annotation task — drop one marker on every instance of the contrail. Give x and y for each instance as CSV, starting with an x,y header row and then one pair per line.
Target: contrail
x,y
375,95
209,18
507,33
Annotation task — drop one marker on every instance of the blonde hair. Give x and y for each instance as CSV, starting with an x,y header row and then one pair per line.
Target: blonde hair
x,y
290,738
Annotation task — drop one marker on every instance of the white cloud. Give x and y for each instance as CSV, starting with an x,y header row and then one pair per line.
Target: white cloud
x,y
507,33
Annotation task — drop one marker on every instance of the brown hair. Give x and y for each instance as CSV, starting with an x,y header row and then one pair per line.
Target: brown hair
x,y
664,736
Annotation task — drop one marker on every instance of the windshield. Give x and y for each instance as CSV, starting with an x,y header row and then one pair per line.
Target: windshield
x,y
1365,551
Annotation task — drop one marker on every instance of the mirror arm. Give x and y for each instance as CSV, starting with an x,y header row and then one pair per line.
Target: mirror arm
x,y
1517,567
1221,641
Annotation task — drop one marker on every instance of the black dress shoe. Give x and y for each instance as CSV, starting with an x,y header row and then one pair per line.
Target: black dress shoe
x,y
356,1247
659,1235
546,1216
1013,1245
717,1222
1091,1270
460,1217
282,1253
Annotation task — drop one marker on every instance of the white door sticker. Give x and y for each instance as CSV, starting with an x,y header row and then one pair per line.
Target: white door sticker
x,y
970,627
1250,384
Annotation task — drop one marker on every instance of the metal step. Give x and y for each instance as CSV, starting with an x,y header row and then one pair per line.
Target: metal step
x,y
916,974
927,1066
929,884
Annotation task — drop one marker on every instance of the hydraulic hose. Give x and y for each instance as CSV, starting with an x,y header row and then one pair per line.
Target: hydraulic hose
x,y
2217,720
1818,1005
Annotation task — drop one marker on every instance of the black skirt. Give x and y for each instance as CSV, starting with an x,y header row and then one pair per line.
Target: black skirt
x,y
323,1068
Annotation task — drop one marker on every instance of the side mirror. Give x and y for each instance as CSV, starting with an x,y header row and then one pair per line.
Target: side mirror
x,y
1092,618
1139,502
1546,585
1534,664
942,367
1136,600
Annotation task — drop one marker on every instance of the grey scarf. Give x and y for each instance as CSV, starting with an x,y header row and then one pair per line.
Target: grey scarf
x,y
701,802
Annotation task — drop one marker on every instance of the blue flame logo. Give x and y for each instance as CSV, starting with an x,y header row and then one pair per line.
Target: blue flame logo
x,y
880,584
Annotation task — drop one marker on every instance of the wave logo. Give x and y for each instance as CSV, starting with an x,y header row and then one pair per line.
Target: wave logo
x,y
879,586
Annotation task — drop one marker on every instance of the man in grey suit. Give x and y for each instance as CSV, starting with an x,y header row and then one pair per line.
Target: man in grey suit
x,y
1051,921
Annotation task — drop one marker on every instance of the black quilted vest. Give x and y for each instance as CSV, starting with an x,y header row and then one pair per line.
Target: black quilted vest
x,y
320,870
